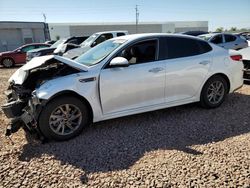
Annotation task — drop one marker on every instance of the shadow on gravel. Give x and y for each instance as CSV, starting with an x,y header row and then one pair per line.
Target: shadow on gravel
x,y
117,144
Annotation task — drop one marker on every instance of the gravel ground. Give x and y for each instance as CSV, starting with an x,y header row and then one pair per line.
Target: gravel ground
x,y
184,146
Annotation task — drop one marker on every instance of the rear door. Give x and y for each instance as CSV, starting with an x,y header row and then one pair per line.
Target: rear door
x,y
141,84
218,39
230,41
187,63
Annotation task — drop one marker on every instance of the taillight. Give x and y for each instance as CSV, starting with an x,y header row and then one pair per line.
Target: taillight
x,y
236,57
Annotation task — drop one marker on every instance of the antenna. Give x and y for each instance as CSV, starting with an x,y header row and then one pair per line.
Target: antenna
x,y
44,17
136,18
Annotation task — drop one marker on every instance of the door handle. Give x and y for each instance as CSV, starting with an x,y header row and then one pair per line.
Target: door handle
x,y
204,62
155,70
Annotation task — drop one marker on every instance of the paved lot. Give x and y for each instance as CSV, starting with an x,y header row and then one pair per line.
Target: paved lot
x,y
184,146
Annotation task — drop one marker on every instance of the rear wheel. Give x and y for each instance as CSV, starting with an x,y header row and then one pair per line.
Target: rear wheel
x,y
7,62
63,118
214,92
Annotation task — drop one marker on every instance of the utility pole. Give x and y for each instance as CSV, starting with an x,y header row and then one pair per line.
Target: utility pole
x,y
46,29
136,18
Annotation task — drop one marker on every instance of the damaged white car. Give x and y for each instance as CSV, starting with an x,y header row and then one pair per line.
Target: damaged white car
x,y
57,97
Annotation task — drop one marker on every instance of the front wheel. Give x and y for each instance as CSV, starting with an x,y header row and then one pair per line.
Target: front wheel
x,y
214,92
63,118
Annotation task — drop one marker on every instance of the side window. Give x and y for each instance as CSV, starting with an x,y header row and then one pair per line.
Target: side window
x,y
229,38
141,52
204,47
40,46
120,34
217,39
27,48
181,47
177,47
103,38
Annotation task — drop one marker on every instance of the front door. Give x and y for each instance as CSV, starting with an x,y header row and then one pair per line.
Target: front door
x,y
141,84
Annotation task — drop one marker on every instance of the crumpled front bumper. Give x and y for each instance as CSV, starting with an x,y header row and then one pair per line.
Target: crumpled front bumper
x,y
23,115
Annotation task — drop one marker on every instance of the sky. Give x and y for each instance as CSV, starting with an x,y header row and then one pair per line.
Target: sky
x,y
219,13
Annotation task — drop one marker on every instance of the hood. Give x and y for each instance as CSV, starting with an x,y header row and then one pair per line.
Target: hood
x,y
245,52
22,73
7,52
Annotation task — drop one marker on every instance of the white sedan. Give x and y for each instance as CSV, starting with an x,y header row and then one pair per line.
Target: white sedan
x,y
57,97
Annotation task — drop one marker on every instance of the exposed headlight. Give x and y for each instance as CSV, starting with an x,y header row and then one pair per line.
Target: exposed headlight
x,y
35,100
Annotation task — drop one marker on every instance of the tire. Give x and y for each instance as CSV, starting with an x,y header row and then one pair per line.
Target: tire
x,y
8,62
211,97
54,121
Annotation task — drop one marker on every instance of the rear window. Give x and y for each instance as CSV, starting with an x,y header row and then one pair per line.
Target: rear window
x,y
230,38
120,34
177,47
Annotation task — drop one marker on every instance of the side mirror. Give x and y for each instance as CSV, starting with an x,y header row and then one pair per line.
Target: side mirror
x,y
19,51
119,62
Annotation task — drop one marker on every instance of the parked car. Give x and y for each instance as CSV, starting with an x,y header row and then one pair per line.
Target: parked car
x,y
92,41
57,97
246,61
246,35
50,50
228,41
50,42
194,33
18,56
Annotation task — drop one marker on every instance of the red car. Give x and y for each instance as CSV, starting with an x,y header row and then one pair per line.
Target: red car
x,y
18,56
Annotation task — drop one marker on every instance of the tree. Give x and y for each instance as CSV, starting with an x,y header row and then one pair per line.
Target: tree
x,y
233,29
219,29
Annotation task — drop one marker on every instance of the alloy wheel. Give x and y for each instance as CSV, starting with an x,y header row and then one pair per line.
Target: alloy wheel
x,y
215,92
65,119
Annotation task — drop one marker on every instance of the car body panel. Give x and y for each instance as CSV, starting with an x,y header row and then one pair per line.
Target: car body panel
x,y
128,91
185,75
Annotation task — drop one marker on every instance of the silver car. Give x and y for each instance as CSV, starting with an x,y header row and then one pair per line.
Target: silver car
x,y
228,41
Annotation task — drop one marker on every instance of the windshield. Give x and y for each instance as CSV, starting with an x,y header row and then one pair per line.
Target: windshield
x,y
57,43
205,37
89,40
96,54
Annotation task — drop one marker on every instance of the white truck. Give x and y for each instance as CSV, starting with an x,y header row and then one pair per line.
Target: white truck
x,y
92,41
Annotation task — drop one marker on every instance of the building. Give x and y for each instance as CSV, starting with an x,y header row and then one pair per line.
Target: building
x,y
62,30
15,34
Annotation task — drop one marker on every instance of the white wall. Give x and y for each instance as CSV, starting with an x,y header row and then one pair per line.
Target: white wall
x,y
59,30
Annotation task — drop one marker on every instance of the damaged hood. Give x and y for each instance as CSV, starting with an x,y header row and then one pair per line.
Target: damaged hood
x,y
22,73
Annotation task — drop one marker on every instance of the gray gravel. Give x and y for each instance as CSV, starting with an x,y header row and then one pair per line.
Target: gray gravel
x,y
184,146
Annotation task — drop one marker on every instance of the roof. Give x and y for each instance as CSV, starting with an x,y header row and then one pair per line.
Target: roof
x,y
138,36
118,31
